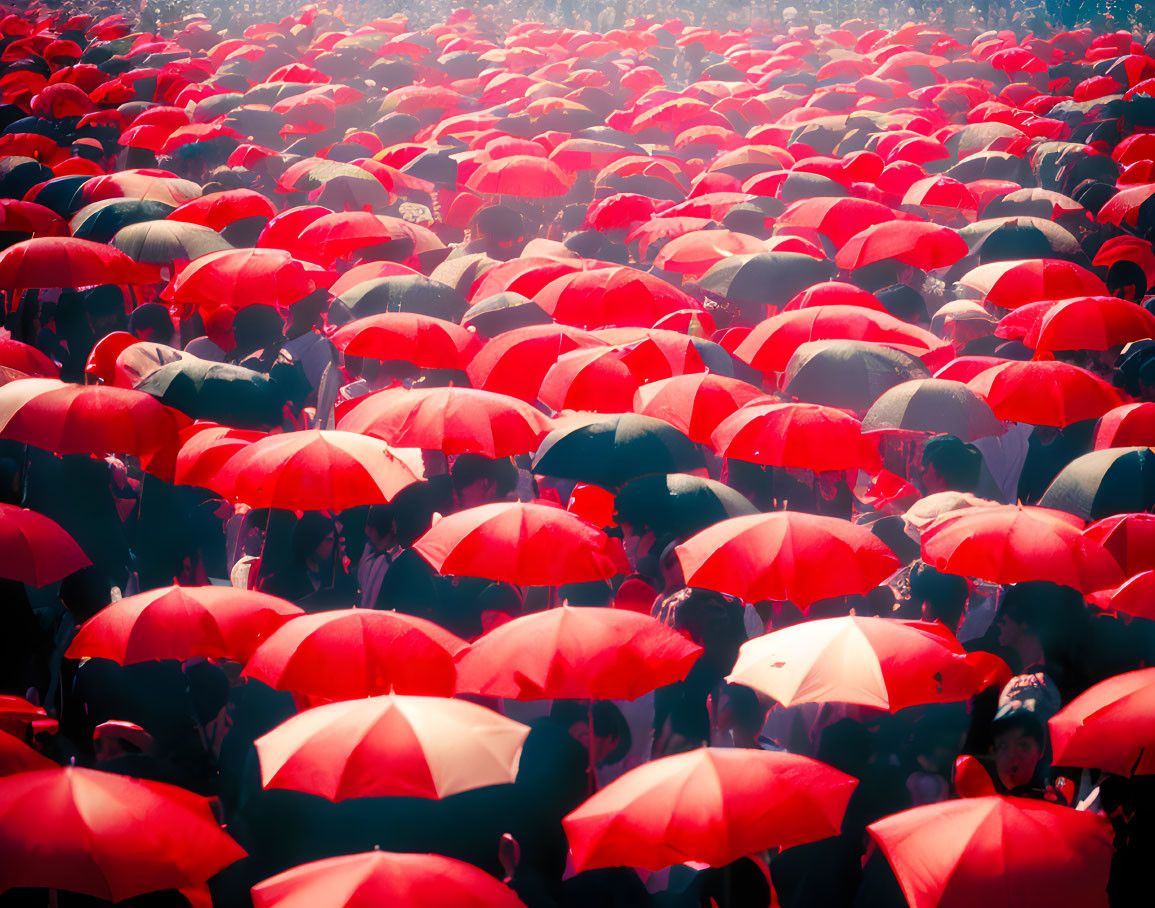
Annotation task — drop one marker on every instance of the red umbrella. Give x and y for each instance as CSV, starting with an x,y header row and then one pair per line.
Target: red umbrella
x,y
612,296
1109,726
694,404
384,878
319,470
1091,323
515,362
204,450
34,549
596,379
106,835
345,654
830,293
1136,597
16,756
527,544
219,209
787,556
452,420
1130,538
340,235
1123,207
521,176
391,746
175,622
27,359
1014,543
710,805
369,271
16,714
526,275
1016,283
53,261
999,852
236,278
883,663
914,243
425,341
772,342
693,254
1127,426
576,653
1044,393
838,218
85,419
799,435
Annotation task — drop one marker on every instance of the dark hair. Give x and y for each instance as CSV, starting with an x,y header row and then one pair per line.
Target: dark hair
x,y
155,317
1050,611
469,468
380,518
745,705
958,463
903,302
946,594
608,722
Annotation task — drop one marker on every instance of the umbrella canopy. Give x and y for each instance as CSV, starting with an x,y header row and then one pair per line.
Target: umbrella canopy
x,y
611,296
382,877
106,835
576,653
16,756
391,746
175,622
1133,598
764,277
1018,282
516,362
1102,483
883,663
711,805
220,392
66,261
677,504
521,176
935,406
100,221
84,419
1091,323
1130,538
346,654
1126,426
612,450
997,851
35,549
798,435
235,278
1015,543
786,556
915,243
838,218
694,404
319,470
27,359
427,342
772,342
526,544
165,242
1109,726
1044,393
849,374
451,420
404,293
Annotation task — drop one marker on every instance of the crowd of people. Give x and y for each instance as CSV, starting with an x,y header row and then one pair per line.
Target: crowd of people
x,y
634,454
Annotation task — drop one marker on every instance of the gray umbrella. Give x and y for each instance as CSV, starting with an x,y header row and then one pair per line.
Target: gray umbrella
x,y
764,277
936,406
847,373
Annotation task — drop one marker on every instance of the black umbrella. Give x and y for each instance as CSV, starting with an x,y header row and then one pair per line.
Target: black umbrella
x,y
19,174
678,504
991,165
504,312
163,242
100,221
228,394
848,373
764,277
1102,483
935,406
405,294
612,450
61,194
459,272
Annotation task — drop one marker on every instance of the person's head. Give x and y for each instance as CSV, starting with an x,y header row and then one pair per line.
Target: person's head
x,y
1126,280
1036,617
942,597
479,480
1019,729
314,539
256,327
151,322
105,308
736,711
950,465
904,302
611,734
381,527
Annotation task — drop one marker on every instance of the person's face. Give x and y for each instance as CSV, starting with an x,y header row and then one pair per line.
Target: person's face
x,y
603,746
932,481
325,549
1016,756
1010,631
